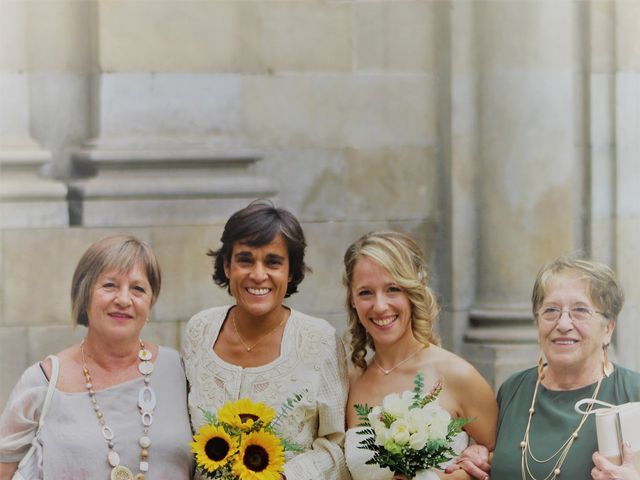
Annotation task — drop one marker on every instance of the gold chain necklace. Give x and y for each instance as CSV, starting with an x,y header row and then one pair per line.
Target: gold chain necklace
x,y
562,452
146,405
247,347
388,371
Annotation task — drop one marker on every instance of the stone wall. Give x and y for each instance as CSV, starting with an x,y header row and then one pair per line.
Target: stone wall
x,y
500,134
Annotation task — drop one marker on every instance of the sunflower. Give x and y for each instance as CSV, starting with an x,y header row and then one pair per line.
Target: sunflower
x,y
261,457
213,447
244,413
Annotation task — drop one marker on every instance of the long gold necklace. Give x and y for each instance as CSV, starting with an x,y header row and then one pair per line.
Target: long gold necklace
x,y
146,405
388,371
247,347
562,452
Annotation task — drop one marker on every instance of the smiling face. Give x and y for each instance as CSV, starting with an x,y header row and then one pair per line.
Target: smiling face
x,y
567,344
383,308
120,304
258,277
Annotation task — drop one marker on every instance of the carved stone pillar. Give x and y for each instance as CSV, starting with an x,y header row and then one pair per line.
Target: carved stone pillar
x,y
26,198
529,189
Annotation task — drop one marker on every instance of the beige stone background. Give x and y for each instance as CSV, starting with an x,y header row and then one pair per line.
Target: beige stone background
x,y
499,133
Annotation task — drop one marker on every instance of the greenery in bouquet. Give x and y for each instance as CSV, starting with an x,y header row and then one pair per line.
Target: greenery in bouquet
x,y
241,442
410,431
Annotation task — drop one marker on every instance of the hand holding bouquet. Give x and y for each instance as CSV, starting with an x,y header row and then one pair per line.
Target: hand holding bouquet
x,y
241,442
410,432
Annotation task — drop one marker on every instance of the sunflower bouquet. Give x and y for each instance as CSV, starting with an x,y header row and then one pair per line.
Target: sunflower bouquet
x,y
409,433
241,443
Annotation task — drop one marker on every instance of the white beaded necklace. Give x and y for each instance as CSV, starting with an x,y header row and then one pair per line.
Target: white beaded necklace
x,y
146,405
561,453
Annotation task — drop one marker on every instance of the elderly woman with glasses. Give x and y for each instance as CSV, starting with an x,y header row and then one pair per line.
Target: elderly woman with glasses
x,y
540,435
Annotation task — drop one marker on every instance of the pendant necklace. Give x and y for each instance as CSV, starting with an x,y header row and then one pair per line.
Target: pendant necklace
x,y
561,453
388,371
244,344
146,405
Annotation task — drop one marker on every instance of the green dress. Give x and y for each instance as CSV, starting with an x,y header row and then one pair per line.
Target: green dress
x,y
552,423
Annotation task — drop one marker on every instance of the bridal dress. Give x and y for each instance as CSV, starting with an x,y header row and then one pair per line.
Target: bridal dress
x,y
357,458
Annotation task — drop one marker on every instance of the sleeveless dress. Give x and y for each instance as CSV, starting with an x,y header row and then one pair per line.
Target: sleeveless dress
x,y
357,457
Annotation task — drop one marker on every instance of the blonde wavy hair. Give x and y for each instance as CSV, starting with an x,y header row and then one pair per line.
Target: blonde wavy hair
x,y
403,259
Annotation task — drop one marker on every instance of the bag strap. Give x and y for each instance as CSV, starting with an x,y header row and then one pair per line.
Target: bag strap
x,y
590,401
55,367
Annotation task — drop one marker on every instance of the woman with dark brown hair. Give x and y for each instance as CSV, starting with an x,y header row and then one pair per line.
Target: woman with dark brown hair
x,y
262,349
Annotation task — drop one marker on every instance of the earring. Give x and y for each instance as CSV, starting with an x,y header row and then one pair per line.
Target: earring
x,y
605,366
540,366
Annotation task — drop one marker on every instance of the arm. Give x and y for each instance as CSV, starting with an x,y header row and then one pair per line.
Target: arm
x,y
325,460
605,470
7,470
19,420
481,406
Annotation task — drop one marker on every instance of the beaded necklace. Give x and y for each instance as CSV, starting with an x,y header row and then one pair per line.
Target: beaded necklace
x,y
146,405
561,453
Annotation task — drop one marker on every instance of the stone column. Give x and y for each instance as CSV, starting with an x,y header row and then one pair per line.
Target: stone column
x,y
627,177
26,198
167,146
529,170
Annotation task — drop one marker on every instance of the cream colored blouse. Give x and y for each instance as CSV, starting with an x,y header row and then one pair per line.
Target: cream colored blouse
x,y
311,358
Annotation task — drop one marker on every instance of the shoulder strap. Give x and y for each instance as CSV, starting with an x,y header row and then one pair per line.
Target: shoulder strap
x,y
55,367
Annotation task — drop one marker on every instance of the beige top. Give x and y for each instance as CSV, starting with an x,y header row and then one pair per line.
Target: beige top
x,y
311,357
70,443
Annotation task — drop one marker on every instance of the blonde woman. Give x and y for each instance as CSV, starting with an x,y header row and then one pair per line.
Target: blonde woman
x,y
392,311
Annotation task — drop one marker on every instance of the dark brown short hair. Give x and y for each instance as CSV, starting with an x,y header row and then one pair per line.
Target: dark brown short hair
x,y
120,253
256,225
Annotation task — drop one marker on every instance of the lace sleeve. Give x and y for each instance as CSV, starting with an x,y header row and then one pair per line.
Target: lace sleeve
x,y
325,460
19,419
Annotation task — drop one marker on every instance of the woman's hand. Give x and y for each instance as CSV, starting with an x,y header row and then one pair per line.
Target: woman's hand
x,y
605,470
474,460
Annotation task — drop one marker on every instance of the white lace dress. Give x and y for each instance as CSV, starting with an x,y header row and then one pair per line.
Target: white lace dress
x,y
357,457
311,360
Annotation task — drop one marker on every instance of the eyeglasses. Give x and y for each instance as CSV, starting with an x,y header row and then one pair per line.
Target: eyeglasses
x,y
576,314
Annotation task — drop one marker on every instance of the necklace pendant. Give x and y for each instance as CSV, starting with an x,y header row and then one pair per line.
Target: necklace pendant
x,y
386,372
248,349
121,473
114,458
145,367
145,355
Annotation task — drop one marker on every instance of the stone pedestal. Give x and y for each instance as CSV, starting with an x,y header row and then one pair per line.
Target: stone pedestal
x,y
163,182
27,199
500,341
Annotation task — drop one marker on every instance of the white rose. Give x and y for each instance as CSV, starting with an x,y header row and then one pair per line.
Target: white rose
x,y
375,415
400,432
416,419
418,440
382,435
438,419
397,405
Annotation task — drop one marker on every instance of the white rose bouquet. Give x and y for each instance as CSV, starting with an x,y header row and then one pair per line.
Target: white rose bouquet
x,y
410,432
